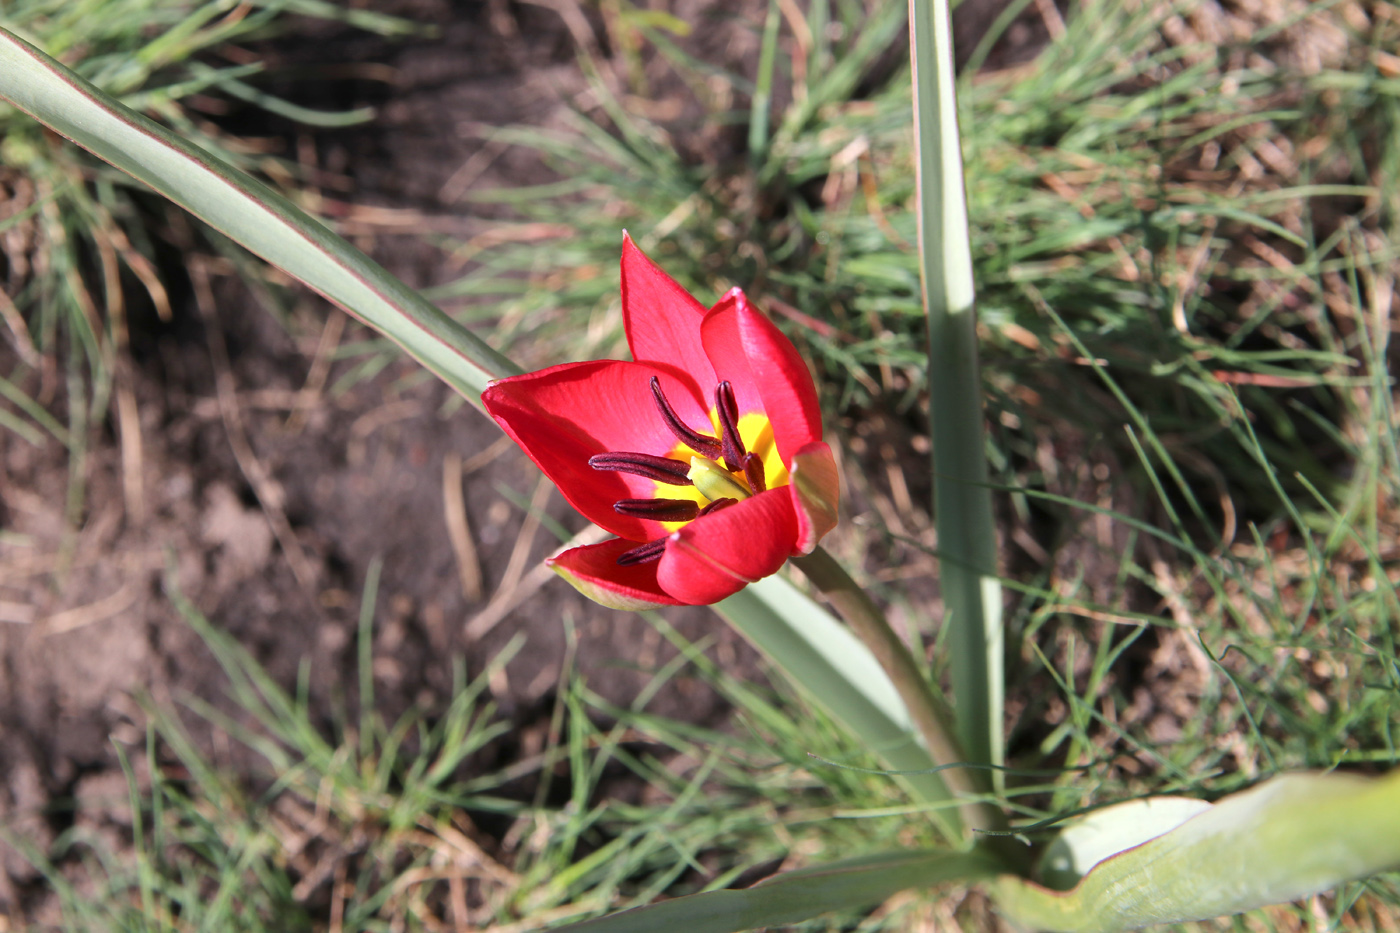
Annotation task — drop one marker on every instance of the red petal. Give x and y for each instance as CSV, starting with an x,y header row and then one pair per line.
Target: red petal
x,y
725,347
719,554
563,415
789,395
662,319
816,494
766,370
594,572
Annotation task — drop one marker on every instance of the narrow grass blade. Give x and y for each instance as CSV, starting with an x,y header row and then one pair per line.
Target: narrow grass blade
x,y
962,500
840,675
248,212
763,92
799,895
1288,838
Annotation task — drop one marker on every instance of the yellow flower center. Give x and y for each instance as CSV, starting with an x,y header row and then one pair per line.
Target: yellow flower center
x,y
756,431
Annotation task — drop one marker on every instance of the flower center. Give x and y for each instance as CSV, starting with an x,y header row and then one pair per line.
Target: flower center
x,y
702,472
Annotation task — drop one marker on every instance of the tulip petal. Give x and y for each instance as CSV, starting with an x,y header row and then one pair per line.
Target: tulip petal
x,y
767,372
816,494
789,394
593,571
720,553
724,345
662,319
563,415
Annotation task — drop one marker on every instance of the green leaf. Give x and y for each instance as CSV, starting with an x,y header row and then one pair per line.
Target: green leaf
x,y
798,895
1288,838
1104,833
248,212
962,498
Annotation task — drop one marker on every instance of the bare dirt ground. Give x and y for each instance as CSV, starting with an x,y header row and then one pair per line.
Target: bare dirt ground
x,y
231,471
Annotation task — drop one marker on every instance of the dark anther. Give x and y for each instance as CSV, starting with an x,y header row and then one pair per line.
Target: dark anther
x,y
661,510
702,445
753,472
717,505
728,409
660,469
644,554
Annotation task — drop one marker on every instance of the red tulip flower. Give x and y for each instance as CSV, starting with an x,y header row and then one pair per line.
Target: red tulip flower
x,y
703,455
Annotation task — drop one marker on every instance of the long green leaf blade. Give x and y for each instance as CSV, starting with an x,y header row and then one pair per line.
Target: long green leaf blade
x,y
248,212
1288,838
798,895
962,500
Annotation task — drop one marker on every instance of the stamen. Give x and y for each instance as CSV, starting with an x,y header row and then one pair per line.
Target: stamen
x,y
701,444
661,510
753,472
716,506
728,410
645,554
658,469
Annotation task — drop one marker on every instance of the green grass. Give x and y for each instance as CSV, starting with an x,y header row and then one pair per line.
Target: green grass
x,y
376,823
79,240
1283,642
1120,179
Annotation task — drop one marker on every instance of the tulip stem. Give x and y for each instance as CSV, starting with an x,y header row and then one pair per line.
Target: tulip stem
x,y
927,709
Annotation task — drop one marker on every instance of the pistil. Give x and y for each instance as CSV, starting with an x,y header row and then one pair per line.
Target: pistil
x,y
714,481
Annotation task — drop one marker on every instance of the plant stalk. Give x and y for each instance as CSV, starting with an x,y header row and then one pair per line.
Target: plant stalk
x,y
928,711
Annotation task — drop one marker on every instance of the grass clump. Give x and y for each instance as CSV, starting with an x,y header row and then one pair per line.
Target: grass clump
x,y
79,242
1170,187
380,826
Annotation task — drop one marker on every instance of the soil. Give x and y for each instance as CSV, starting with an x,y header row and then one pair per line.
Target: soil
x,y
230,472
